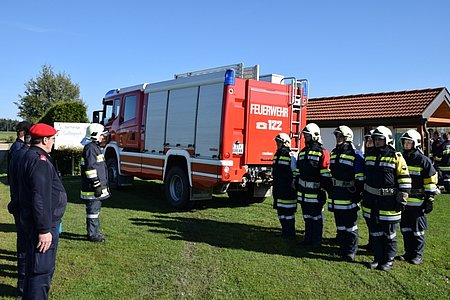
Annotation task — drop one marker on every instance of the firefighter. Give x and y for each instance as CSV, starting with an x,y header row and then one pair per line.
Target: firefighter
x,y
346,166
42,202
420,198
94,180
444,162
312,177
368,144
285,201
387,183
15,155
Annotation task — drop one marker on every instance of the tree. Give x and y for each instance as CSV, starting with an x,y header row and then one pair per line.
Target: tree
x,y
44,91
74,112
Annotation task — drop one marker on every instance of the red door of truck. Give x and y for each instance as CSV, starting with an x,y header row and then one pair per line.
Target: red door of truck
x,y
268,113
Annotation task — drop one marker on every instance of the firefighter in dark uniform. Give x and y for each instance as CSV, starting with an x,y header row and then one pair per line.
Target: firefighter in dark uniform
x,y
387,183
285,201
42,201
22,130
420,199
347,172
368,144
444,162
15,155
312,178
94,180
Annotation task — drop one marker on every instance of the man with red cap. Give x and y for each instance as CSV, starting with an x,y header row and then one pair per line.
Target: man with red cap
x,y
42,201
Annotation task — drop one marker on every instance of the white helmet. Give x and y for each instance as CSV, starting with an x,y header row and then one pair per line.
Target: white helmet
x,y
369,135
94,131
383,132
314,131
284,139
346,132
412,135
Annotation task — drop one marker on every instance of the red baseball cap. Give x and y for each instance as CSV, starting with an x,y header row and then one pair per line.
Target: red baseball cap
x,y
41,130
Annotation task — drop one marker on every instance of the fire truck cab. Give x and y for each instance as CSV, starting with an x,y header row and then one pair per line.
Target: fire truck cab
x,y
203,132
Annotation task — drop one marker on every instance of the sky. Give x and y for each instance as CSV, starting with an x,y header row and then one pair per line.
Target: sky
x,y
342,47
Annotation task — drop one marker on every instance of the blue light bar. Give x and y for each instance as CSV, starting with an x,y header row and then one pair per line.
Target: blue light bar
x,y
230,75
110,92
305,89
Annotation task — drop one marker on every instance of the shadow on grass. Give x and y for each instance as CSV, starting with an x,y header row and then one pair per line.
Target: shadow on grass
x,y
72,236
7,271
232,235
143,196
7,227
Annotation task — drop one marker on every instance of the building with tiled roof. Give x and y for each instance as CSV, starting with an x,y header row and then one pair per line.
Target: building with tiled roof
x,y
425,110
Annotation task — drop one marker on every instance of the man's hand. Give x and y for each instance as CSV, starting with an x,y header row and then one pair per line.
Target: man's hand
x,y
44,241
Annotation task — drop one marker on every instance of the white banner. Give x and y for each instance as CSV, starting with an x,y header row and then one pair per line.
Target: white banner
x,y
69,134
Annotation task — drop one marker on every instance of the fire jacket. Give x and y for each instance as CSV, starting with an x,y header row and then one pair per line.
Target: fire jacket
x,y
93,169
386,174
42,197
423,177
282,175
312,172
347,171
444,161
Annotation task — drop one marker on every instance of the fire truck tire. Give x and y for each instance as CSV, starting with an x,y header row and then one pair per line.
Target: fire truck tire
x,y
113,172
177,188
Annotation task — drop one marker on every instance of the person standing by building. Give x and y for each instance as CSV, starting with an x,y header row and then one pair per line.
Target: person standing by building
x,y
42,202
285,201
347,172
94,180
421,197
444,162
312,178
387,183
15,155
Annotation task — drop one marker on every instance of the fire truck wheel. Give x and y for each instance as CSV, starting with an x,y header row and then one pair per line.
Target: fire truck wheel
x,y
176,187
113,173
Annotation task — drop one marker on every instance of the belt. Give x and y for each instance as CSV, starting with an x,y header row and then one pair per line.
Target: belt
x,y
343,183
416,191
309,184
380,191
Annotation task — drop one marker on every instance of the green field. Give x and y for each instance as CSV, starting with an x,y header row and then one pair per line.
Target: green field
x,y
7,136
217,250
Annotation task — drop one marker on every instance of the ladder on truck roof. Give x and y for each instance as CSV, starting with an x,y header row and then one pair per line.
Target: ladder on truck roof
x,y
241,72
299,98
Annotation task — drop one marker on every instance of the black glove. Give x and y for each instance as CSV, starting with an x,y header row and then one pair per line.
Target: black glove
x,y
322,197
427,206
97,188
356,197
401,200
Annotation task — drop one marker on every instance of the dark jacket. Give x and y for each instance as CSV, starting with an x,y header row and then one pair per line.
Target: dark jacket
x,y
16,146
282,175
93,168
347,171
385,169
13,168
42,197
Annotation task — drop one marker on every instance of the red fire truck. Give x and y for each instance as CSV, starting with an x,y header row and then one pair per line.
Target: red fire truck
x,y
203,133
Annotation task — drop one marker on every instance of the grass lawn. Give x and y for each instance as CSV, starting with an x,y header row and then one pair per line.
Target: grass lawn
x,y
216,250
7,136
